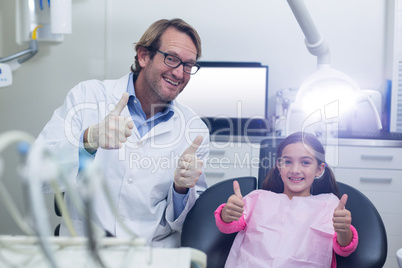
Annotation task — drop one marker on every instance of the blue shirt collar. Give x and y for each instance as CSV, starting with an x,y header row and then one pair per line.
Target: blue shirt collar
x,y
131,92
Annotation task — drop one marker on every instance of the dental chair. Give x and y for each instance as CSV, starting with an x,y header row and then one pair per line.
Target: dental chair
x,y
199,229
372,248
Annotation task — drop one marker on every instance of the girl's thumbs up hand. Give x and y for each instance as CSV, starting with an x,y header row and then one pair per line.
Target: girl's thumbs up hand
x,y
236,190
342,219
233,209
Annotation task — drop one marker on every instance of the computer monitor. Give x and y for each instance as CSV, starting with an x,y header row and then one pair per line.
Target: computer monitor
x,y
231,89
229,94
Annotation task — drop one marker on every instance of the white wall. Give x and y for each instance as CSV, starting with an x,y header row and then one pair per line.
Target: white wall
x,y
263,31
104,31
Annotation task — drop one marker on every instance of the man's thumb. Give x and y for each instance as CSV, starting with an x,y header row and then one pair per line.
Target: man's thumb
x,y
120,105
194,146
236,189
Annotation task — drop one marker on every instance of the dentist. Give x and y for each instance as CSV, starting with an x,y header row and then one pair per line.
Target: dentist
x,y
150,148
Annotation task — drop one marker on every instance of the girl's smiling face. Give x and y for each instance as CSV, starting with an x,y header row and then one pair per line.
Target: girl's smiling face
x,y
298,168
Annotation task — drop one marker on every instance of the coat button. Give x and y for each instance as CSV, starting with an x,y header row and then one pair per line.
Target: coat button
x,y
130,180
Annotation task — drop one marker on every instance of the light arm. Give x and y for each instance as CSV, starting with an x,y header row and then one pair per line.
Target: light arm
x,y
315,44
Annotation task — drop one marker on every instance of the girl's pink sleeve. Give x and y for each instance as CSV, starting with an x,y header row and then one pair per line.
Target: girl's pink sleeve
x,y
349,249
231,227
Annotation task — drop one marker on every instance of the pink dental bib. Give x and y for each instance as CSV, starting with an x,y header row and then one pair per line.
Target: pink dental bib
x,y
285,233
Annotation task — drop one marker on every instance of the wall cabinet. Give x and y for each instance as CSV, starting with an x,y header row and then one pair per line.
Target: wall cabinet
x,y
377,172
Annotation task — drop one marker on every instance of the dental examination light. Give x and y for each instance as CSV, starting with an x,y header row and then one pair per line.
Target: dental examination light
x,y
328,100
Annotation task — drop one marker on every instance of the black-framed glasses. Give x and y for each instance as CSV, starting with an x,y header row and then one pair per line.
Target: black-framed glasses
x,y
174,62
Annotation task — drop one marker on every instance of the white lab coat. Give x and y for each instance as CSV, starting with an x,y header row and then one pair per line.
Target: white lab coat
x,y
139,175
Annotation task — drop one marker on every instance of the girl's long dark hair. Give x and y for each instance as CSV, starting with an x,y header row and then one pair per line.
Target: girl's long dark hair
x,y
326,184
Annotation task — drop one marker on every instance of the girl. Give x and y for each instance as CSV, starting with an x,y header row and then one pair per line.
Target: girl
x,y
297,220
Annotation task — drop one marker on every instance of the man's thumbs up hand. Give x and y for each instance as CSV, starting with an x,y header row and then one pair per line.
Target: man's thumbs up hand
x,y
113,131
189,168
233,209
342,219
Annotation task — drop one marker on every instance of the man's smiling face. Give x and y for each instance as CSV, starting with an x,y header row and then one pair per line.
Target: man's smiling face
x,y
165,83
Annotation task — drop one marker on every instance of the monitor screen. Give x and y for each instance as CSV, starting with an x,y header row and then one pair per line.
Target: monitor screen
x,y
228,89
